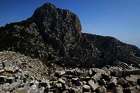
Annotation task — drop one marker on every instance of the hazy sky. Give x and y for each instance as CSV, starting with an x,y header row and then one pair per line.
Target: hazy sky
x,y
118,18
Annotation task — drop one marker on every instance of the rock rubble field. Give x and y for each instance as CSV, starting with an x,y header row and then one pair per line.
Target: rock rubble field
x,y
22,74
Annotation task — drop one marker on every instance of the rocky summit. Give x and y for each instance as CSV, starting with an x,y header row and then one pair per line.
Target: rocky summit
x,y
51,34
48,53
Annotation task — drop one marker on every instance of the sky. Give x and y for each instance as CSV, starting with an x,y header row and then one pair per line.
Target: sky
x,y
117,18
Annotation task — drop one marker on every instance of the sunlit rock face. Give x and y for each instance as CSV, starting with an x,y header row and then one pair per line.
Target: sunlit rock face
x,y
54,35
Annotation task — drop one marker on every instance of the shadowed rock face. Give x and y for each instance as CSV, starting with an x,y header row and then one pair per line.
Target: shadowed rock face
x,y
54,35
113,50
51,34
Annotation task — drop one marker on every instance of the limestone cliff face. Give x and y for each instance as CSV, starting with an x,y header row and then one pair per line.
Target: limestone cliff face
x,y
54,35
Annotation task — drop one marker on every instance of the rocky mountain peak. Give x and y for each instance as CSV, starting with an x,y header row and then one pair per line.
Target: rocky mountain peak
x,y
50,16
54,35
44,10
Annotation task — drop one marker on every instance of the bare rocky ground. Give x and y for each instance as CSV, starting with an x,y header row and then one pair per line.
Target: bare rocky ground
x,y
22,74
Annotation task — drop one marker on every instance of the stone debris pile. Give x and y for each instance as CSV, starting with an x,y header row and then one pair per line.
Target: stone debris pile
x,y
21,74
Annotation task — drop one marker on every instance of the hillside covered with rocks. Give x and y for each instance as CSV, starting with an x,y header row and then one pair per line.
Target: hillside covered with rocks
x,y
48,53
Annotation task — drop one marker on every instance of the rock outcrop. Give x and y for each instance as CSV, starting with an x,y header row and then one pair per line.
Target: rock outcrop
x,y
54,35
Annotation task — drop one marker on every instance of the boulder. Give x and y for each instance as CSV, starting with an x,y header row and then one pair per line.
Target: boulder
x,y
86,88
93,85
101,89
